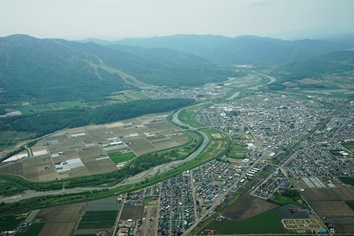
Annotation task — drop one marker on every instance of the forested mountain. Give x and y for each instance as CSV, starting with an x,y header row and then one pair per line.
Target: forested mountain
x,y
339,62
347,38
55,69
243,49
60,70
200,45
267,51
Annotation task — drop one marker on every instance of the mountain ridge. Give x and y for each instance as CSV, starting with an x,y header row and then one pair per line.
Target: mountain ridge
x,y
74,68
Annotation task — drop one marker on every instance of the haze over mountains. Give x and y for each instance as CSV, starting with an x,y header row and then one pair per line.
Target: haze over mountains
x,y
62,70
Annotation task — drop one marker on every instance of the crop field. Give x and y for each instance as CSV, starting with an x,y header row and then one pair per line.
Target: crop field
x,y
248,206
31,168
98,220
331,208
132,212
251,215
118,157
70,212
92,145
141,146
265,223
329,194
106,204
330,202
299,183
59,220
57,229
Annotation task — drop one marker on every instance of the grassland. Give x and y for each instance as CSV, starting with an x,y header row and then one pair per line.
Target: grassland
x,y
188,116
139,95
118,157
97,219
237,151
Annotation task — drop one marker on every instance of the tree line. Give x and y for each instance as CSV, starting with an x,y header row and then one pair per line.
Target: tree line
x,y
51,121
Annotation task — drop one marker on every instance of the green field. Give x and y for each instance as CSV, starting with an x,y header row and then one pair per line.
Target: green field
x,y
237,151
26,110
98,219
120,98
349,145
67,105
33,230
118,157
265,223
161,141
41,108
347,180
139,95
188,116
10,222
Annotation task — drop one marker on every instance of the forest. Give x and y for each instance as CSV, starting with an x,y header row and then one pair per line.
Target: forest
x,y
51,121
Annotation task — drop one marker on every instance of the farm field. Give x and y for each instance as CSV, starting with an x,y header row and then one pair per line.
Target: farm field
x,y
99,214
118,157
106,204
91,150
57,229
132,212
98,220
59,220
70,212
247,206
264,223
331,203
251,215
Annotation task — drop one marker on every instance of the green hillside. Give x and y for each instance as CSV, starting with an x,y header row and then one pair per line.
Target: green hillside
x,y
60,70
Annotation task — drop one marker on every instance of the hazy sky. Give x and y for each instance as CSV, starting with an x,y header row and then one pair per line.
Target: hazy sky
x,y
114,19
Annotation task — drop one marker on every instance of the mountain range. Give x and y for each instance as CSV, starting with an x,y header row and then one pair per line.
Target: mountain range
x,y
57,69
61,70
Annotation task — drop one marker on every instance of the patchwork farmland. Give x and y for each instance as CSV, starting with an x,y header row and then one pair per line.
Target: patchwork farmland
x,y
93,150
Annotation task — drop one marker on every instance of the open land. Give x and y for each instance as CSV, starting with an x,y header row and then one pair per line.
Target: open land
x,y
248,206
89,148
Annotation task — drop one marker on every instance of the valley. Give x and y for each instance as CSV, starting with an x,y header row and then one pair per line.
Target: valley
x,y
251,150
